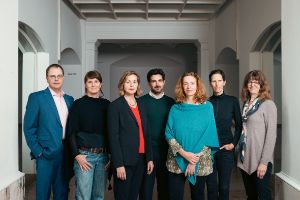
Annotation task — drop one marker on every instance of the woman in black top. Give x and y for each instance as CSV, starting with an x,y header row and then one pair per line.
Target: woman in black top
x,y
226,110
88,137
129,138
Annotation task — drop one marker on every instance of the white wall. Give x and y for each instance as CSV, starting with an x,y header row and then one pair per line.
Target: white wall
x,y
9,87
240,29
70,30
225,30
197,32
254,17
290,93
42,16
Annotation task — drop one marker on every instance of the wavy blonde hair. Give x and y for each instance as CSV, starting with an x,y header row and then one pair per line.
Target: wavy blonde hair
x,y
264,91
122,82
200,95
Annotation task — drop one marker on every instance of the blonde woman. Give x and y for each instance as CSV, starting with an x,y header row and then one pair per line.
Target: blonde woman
x,y
129,139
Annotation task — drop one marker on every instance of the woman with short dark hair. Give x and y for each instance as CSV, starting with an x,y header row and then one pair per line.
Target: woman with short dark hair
x,y
88,137
227,114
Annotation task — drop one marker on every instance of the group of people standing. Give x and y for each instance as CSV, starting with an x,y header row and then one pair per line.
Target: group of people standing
x,y
152,137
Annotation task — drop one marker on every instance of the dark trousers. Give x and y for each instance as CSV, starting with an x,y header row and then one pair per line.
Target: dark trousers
x,y
160,173
224,161
50,175
176,187
129,188
257,188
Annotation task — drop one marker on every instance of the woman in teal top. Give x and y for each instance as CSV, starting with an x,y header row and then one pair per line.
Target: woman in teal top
x,y
192,137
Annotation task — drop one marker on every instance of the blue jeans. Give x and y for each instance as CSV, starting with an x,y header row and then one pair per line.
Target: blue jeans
x,y
224,161
91,184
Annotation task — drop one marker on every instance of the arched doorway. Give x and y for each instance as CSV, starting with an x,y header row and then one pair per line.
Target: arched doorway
x,y
32,62
227,62
73,73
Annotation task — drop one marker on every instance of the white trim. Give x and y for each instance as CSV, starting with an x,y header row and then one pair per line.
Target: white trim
x,y
289,180
7,181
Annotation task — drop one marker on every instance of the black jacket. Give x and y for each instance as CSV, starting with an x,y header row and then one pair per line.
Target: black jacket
x,y
124,133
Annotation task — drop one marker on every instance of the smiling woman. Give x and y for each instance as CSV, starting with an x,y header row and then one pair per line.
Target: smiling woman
x,y
258,137
89,140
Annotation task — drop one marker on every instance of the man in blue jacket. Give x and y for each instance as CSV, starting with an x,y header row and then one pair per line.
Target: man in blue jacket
x,y
44,128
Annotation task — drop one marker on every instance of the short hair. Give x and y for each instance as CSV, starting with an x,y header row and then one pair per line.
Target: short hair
x,y
264,91
122,82
91,75
155,71
217,71
200,95
54,66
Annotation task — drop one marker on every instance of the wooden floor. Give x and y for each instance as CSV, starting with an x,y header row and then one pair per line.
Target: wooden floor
x,y
236,191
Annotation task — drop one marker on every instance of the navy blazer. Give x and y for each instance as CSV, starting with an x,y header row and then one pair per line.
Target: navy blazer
x,y
42,127
124,133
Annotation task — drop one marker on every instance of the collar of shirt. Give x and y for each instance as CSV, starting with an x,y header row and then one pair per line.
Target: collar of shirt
x,y
156,96
56,94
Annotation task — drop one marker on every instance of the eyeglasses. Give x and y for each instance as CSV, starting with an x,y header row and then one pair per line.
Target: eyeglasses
x,y
53,77
254,82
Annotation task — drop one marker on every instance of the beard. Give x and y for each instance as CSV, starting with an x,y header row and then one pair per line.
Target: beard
x,y
156,90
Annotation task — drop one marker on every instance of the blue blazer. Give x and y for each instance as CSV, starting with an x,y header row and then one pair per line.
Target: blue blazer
x,y
42,127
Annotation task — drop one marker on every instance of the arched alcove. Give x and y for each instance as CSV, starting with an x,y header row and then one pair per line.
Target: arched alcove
x,y
227,62
31,76
73,72
266,54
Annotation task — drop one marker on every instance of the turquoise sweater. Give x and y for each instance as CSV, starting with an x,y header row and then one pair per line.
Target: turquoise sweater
x,y
193,127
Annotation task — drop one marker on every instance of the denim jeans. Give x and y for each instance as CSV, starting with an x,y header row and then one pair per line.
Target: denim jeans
x,y
91,184
257,188
224,161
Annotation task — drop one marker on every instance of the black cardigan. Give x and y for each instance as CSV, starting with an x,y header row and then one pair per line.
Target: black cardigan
x,y
124,133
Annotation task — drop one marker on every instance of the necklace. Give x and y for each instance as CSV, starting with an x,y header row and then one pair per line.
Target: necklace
x,y
131,103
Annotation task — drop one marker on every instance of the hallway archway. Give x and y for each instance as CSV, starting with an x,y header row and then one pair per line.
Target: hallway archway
x,y
227,62
31,76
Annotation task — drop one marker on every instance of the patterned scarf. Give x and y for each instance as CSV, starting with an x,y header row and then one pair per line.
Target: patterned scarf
x,y
247,111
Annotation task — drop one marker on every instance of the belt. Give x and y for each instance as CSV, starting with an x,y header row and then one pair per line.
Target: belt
x,y
94,150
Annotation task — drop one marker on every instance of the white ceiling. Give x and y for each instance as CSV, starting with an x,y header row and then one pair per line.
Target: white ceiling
x,y
146,10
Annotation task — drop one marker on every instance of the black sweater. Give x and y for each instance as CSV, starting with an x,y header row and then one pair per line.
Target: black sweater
x,y
227,110
87,123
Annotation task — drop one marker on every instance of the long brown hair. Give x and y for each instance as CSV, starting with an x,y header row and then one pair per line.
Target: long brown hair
x,y
200,95
264,91
122,82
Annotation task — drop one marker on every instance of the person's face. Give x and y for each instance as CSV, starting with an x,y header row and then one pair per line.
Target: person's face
x,y
156,84
131,84
253,87
92,86
189,86
55,78
217,84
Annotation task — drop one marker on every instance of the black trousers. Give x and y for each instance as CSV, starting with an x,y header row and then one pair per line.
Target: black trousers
x,y
176,187
160,173
129,188
257,188
219,180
